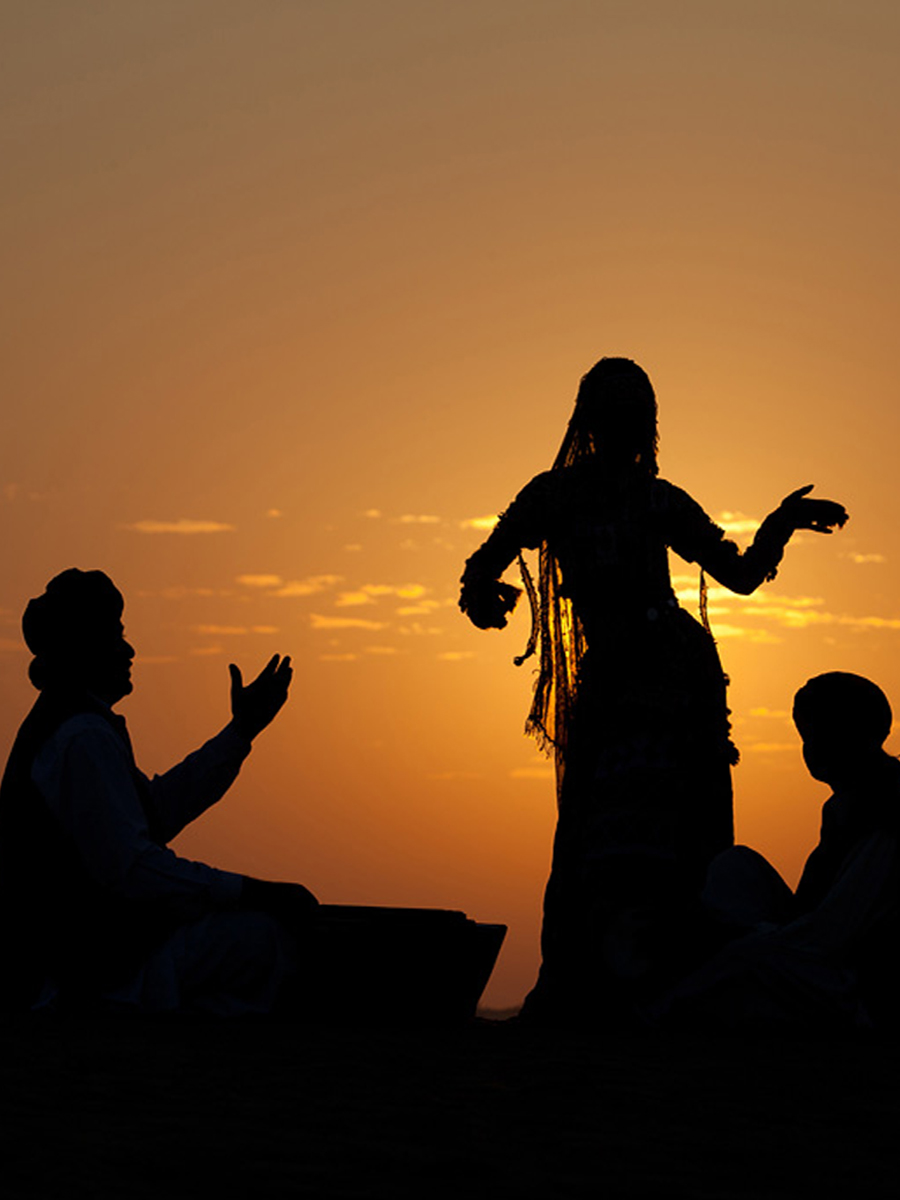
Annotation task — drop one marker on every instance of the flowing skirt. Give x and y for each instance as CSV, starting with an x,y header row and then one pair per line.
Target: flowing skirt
x,y
645,803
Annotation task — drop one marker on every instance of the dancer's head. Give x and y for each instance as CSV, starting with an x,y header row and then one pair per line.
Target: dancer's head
x,y
843,720
74,630
614,418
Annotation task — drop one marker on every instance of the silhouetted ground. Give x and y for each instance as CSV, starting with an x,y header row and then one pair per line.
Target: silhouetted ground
x,y
150,1109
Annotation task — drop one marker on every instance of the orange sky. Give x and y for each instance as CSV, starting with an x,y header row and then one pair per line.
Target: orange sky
x,y
294,292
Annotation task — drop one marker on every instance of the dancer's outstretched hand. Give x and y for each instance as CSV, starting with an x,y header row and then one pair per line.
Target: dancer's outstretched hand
x,y
819,515
253,706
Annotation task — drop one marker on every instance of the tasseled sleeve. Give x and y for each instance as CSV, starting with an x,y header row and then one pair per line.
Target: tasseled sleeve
x,y
483,598
697,538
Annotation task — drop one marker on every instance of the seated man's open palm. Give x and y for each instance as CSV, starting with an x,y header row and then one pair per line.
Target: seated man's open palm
x,y
255,704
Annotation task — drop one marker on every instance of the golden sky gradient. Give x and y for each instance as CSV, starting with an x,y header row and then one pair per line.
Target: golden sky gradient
x,y
296,293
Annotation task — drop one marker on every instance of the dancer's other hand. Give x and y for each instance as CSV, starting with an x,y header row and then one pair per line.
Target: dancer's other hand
x,y
488,602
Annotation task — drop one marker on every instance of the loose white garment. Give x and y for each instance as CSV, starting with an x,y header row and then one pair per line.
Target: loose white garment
x,y
220,960
802,971
84,774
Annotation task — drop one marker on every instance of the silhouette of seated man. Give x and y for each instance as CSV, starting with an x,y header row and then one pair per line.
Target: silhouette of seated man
x,y
97,909
827,953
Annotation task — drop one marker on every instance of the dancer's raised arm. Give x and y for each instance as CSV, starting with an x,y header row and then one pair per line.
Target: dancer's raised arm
x,y
700,540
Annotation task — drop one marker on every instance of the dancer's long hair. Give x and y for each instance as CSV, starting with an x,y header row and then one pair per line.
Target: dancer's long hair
x,y
615,422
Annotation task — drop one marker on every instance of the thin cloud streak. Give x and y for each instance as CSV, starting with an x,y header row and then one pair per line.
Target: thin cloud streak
x,y
320,621
450,776
760,637
259,581
182,526
180,593
790,612
234,630
801,619
353,600
369,592
737,523
307,587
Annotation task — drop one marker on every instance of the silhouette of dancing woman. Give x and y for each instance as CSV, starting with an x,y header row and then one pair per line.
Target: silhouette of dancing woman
x,y
630,694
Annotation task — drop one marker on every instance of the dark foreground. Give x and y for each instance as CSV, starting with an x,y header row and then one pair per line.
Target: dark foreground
x,y
190,1110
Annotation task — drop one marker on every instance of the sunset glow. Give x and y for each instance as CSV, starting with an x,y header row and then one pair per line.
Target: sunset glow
x,y
297,297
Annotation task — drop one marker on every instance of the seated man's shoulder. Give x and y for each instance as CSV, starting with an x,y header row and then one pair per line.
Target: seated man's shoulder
x,y
87,732
887,803
84,724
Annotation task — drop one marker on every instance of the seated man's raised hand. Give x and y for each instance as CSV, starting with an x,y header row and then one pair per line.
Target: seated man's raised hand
x,y
256,704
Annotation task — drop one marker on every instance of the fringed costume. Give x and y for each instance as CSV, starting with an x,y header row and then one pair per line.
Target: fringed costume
x,y
630,694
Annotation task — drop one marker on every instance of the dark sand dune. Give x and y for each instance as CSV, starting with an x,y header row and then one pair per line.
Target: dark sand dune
x,y
150,1109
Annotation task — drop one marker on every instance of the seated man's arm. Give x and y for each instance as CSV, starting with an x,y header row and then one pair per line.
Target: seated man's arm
x,y
182,793
187,790
802,971
84,775
860,895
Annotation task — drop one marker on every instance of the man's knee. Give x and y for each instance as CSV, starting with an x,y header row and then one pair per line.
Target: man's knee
x,y
743,888
250,936
236,962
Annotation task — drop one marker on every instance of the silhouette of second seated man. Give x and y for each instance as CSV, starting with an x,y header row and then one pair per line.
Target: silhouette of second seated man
x,y
97,908
826,954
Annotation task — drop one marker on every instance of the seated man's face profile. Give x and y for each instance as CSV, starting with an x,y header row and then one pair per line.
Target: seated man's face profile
x,y
76,633
108,674
843,721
